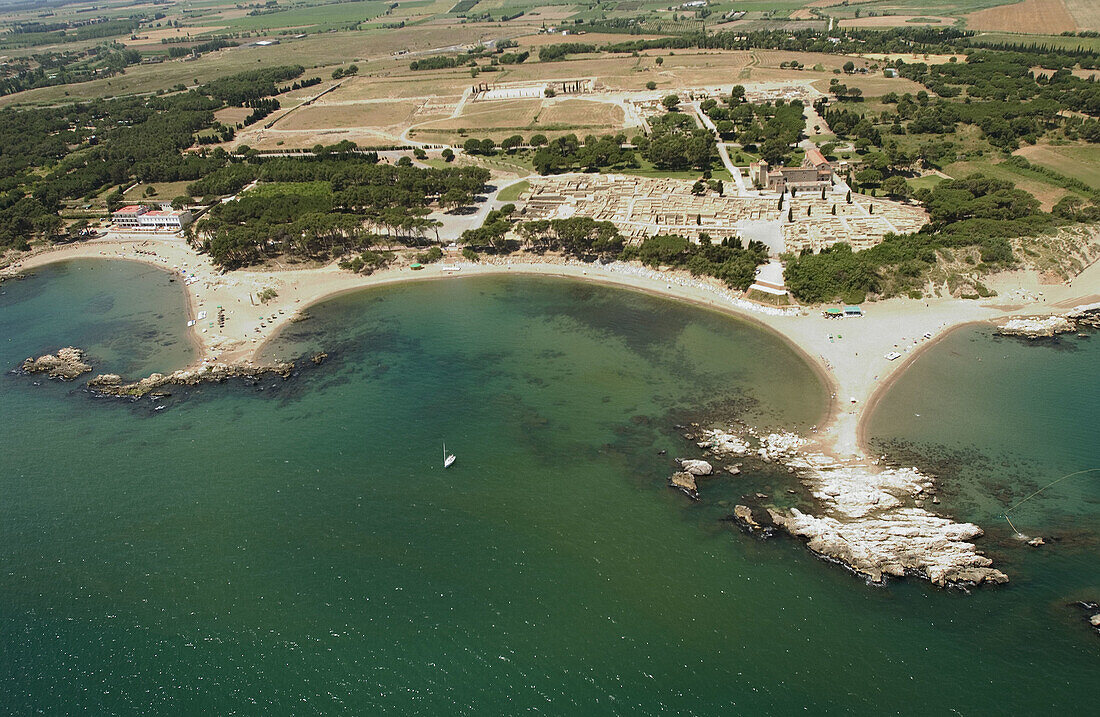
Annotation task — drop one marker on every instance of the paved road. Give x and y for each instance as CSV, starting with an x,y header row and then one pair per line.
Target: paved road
x,y
708,123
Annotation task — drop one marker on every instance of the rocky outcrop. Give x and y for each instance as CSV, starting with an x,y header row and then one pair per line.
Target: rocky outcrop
x,y
870,518
743,515
1041,327
696,468
685,482
897,543
871,521
722,443
112,384
66,364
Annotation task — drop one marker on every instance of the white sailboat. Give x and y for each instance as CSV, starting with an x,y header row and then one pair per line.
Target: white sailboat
x,y
448,458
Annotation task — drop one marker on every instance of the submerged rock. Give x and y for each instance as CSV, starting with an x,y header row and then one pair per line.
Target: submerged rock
x,y
722,443
66,364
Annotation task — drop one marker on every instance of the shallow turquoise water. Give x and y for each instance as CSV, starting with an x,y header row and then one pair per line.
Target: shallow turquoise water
x,y
295,547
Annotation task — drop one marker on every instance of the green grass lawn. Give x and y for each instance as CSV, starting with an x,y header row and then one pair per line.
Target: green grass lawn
x,y
511,193
926,182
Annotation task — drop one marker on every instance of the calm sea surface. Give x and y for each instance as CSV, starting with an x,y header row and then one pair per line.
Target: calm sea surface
x,y
295,547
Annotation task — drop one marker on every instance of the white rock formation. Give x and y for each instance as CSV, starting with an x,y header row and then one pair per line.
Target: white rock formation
x,y
696,468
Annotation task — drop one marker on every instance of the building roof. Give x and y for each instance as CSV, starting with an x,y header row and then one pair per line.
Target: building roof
x,y
815,157
130,209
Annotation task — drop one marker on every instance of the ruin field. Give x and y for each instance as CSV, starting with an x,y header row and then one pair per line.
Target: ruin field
x,y
1031,15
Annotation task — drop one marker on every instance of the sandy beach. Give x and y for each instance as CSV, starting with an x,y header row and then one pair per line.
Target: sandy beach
x,y
850,353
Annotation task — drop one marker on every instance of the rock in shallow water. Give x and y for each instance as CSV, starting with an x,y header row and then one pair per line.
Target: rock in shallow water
x,y
66,364
686,483
696,468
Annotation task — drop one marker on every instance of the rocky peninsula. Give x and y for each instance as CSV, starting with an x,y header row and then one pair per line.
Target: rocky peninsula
x,y
69,363
1043,327
869,518
110,384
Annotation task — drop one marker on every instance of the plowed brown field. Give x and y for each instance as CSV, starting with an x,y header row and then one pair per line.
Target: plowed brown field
x,y
1035,16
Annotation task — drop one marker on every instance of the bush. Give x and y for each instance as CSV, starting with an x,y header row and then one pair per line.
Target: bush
x,y
432,255
470,255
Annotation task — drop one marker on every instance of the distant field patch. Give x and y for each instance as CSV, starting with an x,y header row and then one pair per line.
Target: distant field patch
x,y
367,114
1033,16
1086,13
232,115
1075,160
583,113
154,37
463,6
897,21
306,16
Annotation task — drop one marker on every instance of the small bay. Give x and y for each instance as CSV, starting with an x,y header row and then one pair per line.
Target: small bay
x,y
293,547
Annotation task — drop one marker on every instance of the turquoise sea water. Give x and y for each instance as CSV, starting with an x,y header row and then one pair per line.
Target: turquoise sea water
x,y
295,547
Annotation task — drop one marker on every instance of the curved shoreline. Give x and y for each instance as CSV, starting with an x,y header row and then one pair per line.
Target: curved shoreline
x,y
884,388
869,518
617,281
846,354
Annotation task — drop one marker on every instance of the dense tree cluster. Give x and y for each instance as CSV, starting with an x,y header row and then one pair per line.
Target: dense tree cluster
x,y
252,85
442,62
727,261
676,143
327,206
582,237
551,53
768,128
566,154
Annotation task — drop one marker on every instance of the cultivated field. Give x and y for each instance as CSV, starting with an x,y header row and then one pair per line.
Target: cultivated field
x,y
1086,13
232,115
1078,161
367,114
1030,16
898,21
582,113
498,120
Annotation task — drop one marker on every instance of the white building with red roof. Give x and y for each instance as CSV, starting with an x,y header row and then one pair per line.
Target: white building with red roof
x,y
140,216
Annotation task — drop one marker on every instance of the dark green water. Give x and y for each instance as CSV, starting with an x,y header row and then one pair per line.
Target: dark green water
x,y
295,548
